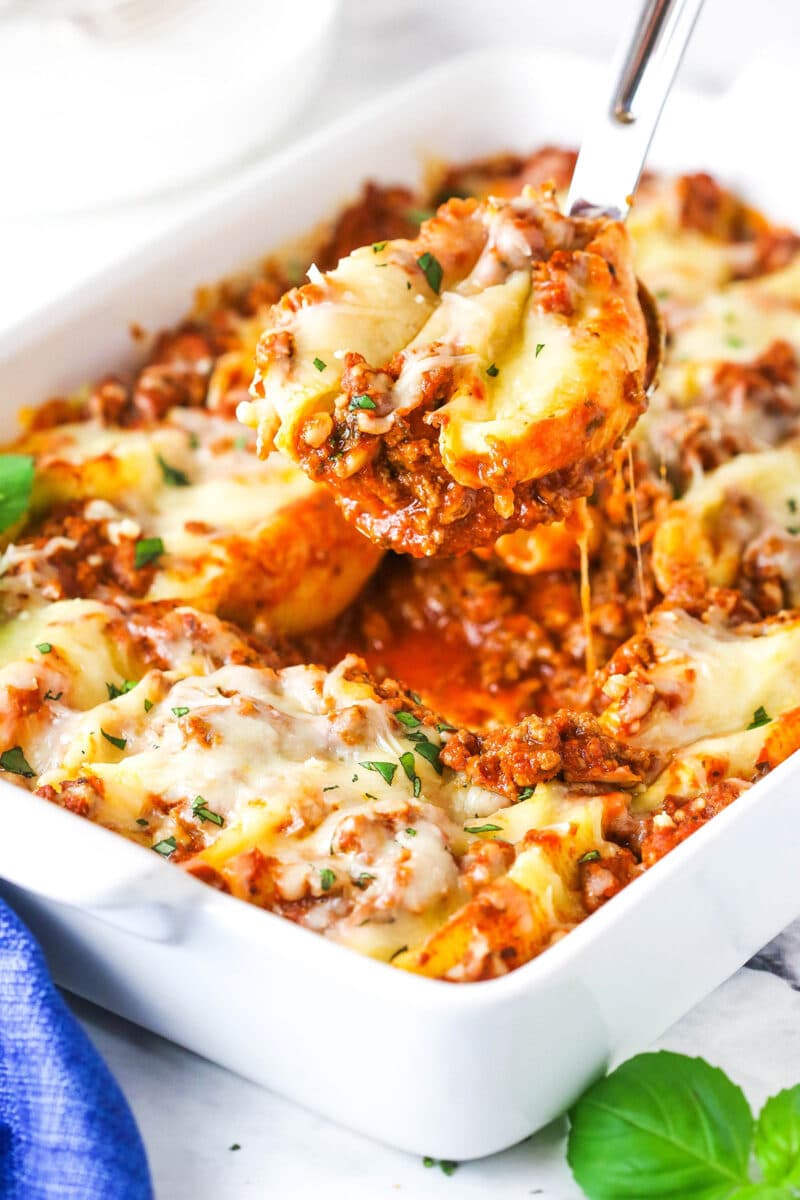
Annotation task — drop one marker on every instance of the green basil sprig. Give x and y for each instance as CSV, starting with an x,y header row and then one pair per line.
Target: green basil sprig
x,y
16,483
665,1125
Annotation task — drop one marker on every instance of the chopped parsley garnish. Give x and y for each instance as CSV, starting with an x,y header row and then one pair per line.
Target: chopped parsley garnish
x,y
411,831
44,647
53,695
194,441
418,215
181,711
166,847
172,475
432,270
447,1165
526,793
114,691
319,364
792,505
363,401
443,727
430,752
408,719
234,1146
241,442
793,530
492,370
589,856
539,349
386,769
200,810
119,742
331,787
354,779
408,285
146,551
142,821
148,704
15,763
407,763
734,341
399,950
662,294
378,246
364,880
483,828
327,878
760,717
16,483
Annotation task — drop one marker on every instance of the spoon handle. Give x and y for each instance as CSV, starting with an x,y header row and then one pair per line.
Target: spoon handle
x,y
616,143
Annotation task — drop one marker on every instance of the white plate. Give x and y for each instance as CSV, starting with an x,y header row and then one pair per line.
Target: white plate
x,y
452,1071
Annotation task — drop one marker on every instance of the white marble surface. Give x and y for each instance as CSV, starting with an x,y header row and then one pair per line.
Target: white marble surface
x,y
190,1111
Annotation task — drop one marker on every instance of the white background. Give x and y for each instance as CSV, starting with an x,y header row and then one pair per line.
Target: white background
x,y
189,1111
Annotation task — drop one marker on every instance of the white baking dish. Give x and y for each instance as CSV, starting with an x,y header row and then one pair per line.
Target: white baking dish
x,y
453,1071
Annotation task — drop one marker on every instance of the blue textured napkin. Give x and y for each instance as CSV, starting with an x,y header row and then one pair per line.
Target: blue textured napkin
x,y
66,1132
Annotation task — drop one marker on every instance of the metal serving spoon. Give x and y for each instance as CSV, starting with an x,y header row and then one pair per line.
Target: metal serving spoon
x,y
615,145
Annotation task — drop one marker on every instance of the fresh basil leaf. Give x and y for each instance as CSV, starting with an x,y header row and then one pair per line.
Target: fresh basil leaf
x,y
16,483
760,1191
777,1142
661,1125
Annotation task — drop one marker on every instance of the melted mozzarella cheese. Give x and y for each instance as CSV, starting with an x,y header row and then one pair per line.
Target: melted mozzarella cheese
x,y
736,323
704,681
750,507
524,348
228,522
